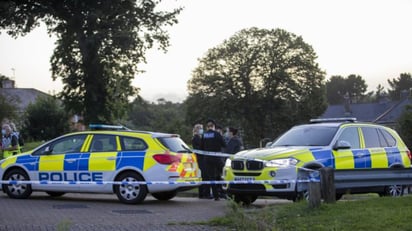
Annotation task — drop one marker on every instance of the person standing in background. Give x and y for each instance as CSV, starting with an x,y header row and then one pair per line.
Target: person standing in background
x,y
212,141
9,142
204,189
234,143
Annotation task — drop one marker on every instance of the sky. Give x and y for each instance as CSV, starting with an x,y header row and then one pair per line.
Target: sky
x,y
370,38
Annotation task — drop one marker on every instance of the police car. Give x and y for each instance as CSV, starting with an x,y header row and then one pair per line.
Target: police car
x,y
337,143
127,163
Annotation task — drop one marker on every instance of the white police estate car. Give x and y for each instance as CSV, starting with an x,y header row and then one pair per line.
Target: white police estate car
x,y
99,161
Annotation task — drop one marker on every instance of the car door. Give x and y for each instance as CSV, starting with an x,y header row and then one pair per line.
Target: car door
x,y
58,162
353,155
99,163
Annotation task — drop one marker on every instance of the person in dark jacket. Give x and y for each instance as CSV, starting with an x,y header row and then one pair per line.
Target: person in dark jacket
x,y
234,144
204,189
212,141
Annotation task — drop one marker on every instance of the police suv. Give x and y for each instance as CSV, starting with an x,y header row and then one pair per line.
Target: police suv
x,y
129,163
337,143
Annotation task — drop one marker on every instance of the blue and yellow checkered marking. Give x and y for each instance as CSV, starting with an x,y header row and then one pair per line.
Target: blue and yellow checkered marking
x,y
109,161
358,158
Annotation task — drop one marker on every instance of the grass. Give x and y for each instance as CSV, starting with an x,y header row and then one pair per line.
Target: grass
x,y
372,213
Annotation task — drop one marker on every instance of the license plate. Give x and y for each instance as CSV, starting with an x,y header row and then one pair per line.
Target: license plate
x,y
244,178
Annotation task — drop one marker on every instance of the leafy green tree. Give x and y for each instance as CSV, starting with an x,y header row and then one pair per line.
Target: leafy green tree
x,y
262,81
44,119
7,104
402,83
354,86
98,48
404,126
163,116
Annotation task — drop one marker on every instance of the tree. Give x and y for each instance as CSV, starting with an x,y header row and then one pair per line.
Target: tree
x,y
163,116
45,119
404,126
402,83
354,86
98,48
262,81
7,104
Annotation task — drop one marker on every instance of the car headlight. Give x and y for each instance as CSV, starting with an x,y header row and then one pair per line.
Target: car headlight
x,y
282,163
228,162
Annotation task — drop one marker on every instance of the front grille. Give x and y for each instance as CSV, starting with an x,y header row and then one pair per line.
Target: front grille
x,y
247,173
254,165
251,187
237,165
250,164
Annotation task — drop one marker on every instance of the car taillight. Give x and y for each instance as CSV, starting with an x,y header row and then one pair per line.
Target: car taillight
x,y
409,155
166,158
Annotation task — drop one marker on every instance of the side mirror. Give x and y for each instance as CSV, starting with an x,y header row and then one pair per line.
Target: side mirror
x,y
268,144
342,144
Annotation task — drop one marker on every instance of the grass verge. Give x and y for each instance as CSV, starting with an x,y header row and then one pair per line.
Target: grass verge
x,y
373,213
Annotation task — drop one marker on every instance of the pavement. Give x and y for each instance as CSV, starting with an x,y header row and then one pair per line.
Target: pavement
x,y
75,211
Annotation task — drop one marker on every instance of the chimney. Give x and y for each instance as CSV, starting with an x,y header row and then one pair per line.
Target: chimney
x,y
8,83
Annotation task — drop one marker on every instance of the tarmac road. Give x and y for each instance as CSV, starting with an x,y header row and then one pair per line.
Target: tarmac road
x,y
104,212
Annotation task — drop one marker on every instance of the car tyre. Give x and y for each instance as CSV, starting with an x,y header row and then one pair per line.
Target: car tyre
x,y
55,194
393,191
17,191
164,196
130,193
244,199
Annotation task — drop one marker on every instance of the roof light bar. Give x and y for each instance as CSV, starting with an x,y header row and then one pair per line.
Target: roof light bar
x,y
343,119
107,127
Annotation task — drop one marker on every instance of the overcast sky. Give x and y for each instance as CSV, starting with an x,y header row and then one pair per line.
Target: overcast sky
x,y
371,38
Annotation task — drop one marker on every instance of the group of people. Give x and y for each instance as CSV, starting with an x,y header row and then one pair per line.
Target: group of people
x,y
11,142
214,139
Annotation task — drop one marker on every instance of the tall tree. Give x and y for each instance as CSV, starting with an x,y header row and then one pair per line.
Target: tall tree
x,y
402,83
262,81
353,86
98,48
45,119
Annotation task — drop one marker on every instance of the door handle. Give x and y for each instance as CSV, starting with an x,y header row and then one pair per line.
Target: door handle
x,y
111,158
70,160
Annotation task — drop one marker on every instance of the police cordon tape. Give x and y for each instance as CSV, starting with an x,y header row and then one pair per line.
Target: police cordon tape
x,y
17,182
216,154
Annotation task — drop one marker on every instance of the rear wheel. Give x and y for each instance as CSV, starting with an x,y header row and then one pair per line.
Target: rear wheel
x,y
393,191
55,194
17,191
164,196
129,192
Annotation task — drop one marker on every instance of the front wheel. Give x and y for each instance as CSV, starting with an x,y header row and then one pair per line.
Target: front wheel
x,y
244,199
164,196
129,192
19,190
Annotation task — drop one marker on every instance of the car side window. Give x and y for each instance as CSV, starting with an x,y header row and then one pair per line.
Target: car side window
x,y
103,143
350,135
390,140
68,144
133,144
371,137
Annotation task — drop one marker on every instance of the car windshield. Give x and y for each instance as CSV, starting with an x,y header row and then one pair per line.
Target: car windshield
x,y
175,144
307,135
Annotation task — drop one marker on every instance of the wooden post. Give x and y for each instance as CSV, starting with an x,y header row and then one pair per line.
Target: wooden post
x,y
327,177
314,194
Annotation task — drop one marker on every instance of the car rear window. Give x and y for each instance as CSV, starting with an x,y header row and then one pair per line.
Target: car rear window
x,y
174,144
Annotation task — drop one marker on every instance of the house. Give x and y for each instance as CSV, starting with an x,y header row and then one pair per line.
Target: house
x,y
384,112
23,97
